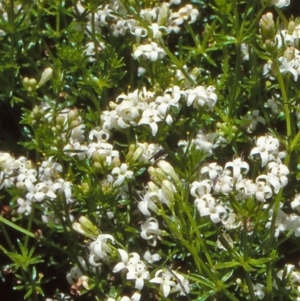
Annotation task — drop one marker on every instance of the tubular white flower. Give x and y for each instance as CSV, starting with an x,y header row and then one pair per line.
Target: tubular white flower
x,y
24,206
138,32
148,202
207,205
271,180
136,268
263,191
213,170
150,231
150,52
224,184
246,189
295,204
280,171
266,148
198,189
122,173
164,278
151,257
253,120
237,166
150,117
99,249
259,291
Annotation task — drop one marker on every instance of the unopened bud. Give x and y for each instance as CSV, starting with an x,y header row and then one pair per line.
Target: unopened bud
x,y
46,75
167,168
130,153
289,54
86,228
168,190
291,27
163,14
137,154
267,26
157,175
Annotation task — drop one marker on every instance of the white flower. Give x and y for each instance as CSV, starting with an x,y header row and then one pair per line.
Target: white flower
x,y
182,284
122,174
259,291
24,206
207,205
104,150
201,96
263,191
282,222
270,180
148,202
138,32
199,189
150,231
49,169
150,52
150,117
238,166
165,279
206,142
100,249
281,3
266,148
273,105
185,13
295,204
62,186
280,171
224,184
38,192
213,170
289,66
135,297
139,274
253,120
230,222
8,164
164,103
158,30
151,257
74,275
245,188
136,268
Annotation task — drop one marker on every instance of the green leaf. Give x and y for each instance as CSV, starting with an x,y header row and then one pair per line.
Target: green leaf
x,y
14,226
226,265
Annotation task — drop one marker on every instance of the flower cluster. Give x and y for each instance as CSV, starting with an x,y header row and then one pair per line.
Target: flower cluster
x,y
285,40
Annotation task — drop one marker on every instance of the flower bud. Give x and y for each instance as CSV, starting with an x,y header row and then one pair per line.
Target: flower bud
x,y
86,228
289,54
137,154
152,187
291,27
130,153
156,175
267,26
46,75
167,168
270,45
168,190
163,14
